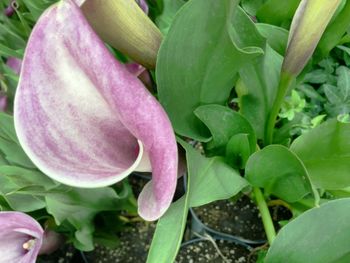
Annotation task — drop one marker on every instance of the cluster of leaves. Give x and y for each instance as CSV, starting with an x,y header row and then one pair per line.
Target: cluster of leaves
x,y
208,49
67,210
322,93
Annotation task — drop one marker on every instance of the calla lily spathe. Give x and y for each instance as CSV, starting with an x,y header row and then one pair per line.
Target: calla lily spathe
x,y
21,238
83,119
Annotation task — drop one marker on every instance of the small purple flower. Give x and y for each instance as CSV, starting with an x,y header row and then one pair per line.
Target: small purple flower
x,y
21,238
10,10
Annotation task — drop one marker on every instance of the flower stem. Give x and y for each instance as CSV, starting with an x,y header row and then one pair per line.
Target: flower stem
x,y
285,82
265,215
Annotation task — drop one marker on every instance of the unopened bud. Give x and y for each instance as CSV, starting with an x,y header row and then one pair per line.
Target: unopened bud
x,y
124,25
308,25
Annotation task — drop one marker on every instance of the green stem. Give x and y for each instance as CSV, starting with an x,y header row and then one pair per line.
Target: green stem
x,y
285,82
265,215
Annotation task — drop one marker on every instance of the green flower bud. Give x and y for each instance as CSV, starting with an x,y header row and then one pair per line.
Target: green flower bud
x,y
308,25
123,25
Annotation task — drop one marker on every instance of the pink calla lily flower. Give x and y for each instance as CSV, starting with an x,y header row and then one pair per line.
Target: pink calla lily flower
x,y
21,238
86,121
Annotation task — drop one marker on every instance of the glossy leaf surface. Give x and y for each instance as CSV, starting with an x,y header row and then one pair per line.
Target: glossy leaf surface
x,y
319,235
197,62
279,172
325,151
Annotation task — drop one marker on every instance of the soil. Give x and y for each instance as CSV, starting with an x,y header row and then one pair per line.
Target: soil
x,y
133,248
66,254
240,218
206,252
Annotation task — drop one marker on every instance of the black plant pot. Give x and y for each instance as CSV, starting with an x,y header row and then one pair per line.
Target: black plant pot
x,y
234,221
241,222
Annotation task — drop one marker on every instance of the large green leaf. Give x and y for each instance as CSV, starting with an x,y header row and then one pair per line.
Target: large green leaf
x,y
252,6
14,178
170,8
258,81
334,32
9,145
320,235
277,37
279,172
25,203
79,207
198,60
238,150
277,12
223,123
257,89
209,179
14,154
7,127
23,189
325,151
168,236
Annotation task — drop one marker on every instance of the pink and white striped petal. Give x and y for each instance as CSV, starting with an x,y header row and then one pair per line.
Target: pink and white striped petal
x,y
83,119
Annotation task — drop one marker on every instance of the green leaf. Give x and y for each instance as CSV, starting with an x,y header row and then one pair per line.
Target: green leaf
x,y
344,81
319,235
79,207
238,150
260,81
193,69
168,235
317,76
23,189
334,32
279,172
277,37
212,179
7,127
252,6
25,203
14,154
345,49
8,52
277,12
84,238
36,8
170,8
209,179
9,144
15,178
325,151
223,123
332,95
